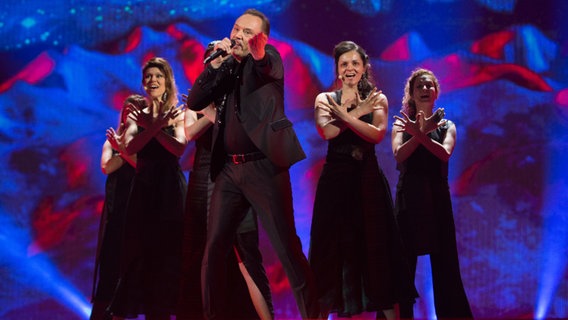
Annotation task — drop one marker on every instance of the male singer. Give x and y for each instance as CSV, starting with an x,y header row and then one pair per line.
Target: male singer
x,y
254,146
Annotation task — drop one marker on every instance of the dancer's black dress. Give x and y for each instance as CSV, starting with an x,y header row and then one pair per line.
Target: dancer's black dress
x,y
151,259
107,261
424,212
199,192
355,248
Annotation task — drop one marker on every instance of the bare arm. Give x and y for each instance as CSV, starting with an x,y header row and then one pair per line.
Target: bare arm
x,y
110,162
327,126
134,140
195,127
331,119
117,143
130,158
175,144
372,132
402,150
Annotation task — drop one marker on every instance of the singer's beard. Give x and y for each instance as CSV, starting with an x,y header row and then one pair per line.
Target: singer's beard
x,y
239,52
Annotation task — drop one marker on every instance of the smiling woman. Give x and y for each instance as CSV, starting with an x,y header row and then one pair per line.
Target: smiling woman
x,y
355,249
150,265
422,144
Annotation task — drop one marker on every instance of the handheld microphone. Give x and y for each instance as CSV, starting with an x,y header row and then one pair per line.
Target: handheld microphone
x,y
217,53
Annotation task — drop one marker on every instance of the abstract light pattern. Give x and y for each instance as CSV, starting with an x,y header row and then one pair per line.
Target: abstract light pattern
x,y
68,65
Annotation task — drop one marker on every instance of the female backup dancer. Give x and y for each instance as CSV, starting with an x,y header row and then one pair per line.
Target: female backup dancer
x,y
257,302
119,168
151,259
355,248
422,143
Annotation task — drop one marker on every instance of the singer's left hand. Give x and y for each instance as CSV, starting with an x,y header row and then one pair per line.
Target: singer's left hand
x,y
256,45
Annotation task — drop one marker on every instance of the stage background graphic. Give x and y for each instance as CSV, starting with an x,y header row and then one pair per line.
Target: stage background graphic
x,y
66,67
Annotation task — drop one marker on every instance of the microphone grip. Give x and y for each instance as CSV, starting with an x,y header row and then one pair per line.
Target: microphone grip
x,y
217,53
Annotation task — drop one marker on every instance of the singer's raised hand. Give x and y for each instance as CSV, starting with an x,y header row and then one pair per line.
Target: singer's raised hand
x,y
256,45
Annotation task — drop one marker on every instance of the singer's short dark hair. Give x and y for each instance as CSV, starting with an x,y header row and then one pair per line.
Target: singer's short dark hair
x,y
263,17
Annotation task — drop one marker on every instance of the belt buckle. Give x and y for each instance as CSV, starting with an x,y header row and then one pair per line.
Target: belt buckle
x,y
238,158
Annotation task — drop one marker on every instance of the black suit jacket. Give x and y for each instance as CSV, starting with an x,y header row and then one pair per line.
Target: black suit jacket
x,y
259,89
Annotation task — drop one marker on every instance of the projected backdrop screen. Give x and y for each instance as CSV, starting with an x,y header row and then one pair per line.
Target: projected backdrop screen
x,y
66,67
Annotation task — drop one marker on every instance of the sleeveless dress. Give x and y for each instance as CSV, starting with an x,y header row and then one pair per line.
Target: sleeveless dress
x,y
423,204
151,260
424,213
107,261
355,249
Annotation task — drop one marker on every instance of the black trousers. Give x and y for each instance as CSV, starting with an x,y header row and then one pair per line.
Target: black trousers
x,y
267,189
450,299
246,243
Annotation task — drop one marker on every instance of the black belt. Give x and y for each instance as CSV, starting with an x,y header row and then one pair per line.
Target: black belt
x,y
245,157
355,151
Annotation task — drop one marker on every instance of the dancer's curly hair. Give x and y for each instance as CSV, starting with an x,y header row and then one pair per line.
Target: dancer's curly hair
x,y
408,104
